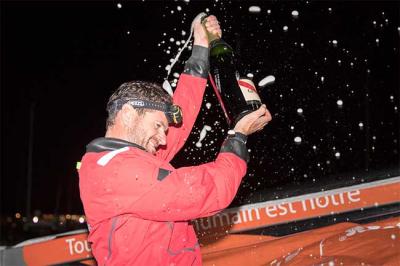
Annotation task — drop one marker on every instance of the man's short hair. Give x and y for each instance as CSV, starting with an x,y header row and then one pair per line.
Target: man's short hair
x,y
142,90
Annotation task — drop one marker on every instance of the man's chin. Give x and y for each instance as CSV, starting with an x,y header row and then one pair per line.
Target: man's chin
x,y
151,149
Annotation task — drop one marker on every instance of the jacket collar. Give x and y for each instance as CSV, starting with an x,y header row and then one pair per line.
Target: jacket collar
x,y
109,144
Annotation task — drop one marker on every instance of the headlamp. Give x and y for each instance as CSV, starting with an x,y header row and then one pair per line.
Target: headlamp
x,y
172,112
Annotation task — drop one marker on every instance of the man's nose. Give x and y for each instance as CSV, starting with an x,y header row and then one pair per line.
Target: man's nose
x,y
162,138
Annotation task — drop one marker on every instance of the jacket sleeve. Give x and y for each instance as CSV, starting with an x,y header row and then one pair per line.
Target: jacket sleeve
x,y
188,95
192,192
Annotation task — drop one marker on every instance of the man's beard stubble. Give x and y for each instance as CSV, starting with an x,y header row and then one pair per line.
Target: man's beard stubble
x,y
136,134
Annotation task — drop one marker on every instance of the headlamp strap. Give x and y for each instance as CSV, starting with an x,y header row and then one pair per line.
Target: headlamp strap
x,y
149,105
171,111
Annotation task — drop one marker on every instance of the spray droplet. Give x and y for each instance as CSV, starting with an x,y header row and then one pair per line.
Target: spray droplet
x,y
203,134
267,80
254,9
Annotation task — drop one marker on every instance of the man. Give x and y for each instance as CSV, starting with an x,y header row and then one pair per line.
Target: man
x,y
137,205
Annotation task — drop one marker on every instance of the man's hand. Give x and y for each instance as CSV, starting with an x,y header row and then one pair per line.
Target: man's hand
x,y
254,121
200,34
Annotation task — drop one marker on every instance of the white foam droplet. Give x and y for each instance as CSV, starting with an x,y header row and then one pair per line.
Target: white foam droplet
x,y
167,87
250,75
337,155
297,139
254,9
285,28
299,111
339,102
119,5
295,13
208,105
267,80
203,134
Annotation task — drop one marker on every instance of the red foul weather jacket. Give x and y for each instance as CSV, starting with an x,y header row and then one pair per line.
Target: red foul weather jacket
x,y
138,206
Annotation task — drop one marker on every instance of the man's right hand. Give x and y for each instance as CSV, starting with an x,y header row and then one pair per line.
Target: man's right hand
x,y
255,121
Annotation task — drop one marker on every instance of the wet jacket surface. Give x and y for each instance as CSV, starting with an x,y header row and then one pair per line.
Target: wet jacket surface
x,y
138,206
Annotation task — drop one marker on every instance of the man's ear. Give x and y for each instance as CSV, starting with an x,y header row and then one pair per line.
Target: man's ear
x,y
128,114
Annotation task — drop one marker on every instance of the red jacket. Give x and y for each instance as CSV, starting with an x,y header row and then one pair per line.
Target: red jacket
x,y
138,207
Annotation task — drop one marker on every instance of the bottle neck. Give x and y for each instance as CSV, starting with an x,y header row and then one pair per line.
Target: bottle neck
x,y
212,37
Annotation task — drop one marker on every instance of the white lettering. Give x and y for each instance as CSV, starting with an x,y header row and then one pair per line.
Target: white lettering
x,y
237,219
223,219
77,246
353,193
205,227
321,205
283,209
311,202
250,214
269,209
69,241
244,215
333,200
291,208
87,246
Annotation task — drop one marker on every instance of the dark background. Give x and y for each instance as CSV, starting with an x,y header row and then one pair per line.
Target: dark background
x,y
60,61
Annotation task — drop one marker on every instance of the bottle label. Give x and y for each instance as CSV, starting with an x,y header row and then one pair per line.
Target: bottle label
x,y
249,90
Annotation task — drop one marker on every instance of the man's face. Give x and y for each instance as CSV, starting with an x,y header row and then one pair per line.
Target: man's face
x,y
149,130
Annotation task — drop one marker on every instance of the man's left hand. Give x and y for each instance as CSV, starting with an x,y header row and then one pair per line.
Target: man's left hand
x,y
200,35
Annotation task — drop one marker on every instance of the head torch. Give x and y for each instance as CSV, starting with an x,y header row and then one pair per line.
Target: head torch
x,y
172,112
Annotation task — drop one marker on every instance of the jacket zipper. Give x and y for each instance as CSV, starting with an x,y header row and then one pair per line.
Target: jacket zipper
x,y
113,223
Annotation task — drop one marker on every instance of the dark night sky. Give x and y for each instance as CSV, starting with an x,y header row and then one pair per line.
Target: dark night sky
x,y
65,59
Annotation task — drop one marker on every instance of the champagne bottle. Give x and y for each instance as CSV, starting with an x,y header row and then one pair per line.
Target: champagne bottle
x,y
237,97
